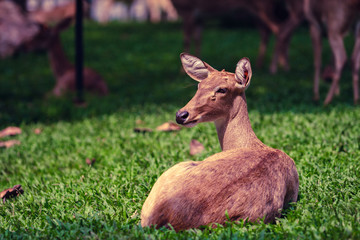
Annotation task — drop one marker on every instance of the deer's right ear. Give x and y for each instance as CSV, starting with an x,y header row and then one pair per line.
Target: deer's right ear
x,y
243,73
194,67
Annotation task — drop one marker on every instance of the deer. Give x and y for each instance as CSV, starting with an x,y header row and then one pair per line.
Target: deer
x,y
62,68
267,23
338,16
246,180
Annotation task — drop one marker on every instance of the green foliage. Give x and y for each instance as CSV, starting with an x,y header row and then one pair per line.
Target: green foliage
x,y
67,199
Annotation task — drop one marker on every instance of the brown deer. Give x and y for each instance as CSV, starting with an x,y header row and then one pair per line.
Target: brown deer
x,y
338,16
64,71
247,180
192,11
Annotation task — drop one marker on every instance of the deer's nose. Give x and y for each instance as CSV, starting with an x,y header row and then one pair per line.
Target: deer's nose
x,y
181,116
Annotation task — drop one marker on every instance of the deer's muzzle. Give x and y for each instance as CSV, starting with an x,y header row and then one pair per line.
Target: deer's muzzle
x,y
181,116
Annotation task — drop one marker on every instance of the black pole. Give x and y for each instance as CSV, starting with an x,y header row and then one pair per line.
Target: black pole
x,y
79,58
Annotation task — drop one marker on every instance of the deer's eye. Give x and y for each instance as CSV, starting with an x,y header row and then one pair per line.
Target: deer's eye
x,y
221,90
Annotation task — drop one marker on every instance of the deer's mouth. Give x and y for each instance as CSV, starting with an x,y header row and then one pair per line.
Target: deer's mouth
x,y
190,123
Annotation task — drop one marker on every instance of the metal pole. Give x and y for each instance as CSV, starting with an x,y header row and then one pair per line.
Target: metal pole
x,y
79,58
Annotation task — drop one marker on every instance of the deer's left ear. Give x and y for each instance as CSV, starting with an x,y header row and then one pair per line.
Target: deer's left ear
x,y
194,67
243,73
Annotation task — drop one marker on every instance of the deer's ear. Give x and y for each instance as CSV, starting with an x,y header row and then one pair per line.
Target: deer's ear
x,y
194,67
243,73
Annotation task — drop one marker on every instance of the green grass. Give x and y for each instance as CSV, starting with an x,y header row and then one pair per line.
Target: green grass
x,y
67,199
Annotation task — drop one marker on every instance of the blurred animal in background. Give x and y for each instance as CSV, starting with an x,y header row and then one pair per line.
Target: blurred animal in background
x,y
15,28
193,12
63,70
338,17
57,13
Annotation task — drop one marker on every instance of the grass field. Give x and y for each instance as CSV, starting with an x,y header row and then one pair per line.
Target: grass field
x,y
67,199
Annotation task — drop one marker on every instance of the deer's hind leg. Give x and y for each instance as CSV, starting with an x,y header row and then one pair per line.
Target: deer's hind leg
x,y
338,49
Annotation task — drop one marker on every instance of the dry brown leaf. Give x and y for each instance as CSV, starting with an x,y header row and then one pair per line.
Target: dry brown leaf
x,y
168,127
37,131
9,143
11,192
90,162
10,131
142,130
196,147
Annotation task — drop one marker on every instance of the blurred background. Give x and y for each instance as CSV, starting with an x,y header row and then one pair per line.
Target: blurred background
x,y
131,54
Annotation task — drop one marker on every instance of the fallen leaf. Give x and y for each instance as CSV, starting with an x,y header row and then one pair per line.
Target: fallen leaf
x,y
9,143
11,192
37,131
196,147
90,162
168,127
10,131
142,130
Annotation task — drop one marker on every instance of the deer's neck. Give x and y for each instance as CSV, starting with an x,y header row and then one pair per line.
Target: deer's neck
x,y
58,61
234,131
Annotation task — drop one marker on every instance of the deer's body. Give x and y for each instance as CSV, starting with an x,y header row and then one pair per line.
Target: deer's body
x,y
192,11
338,16
247,180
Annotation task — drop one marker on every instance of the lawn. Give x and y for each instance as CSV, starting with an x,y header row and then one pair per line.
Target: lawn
x,y
65,198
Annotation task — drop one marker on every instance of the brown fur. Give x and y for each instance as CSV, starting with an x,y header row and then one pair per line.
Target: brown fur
x,y
338,16
248,179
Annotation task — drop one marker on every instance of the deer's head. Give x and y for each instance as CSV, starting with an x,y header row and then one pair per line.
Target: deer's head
x,y
47,35
216,90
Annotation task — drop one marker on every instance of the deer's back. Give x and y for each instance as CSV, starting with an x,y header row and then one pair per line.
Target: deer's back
x,y
247,183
